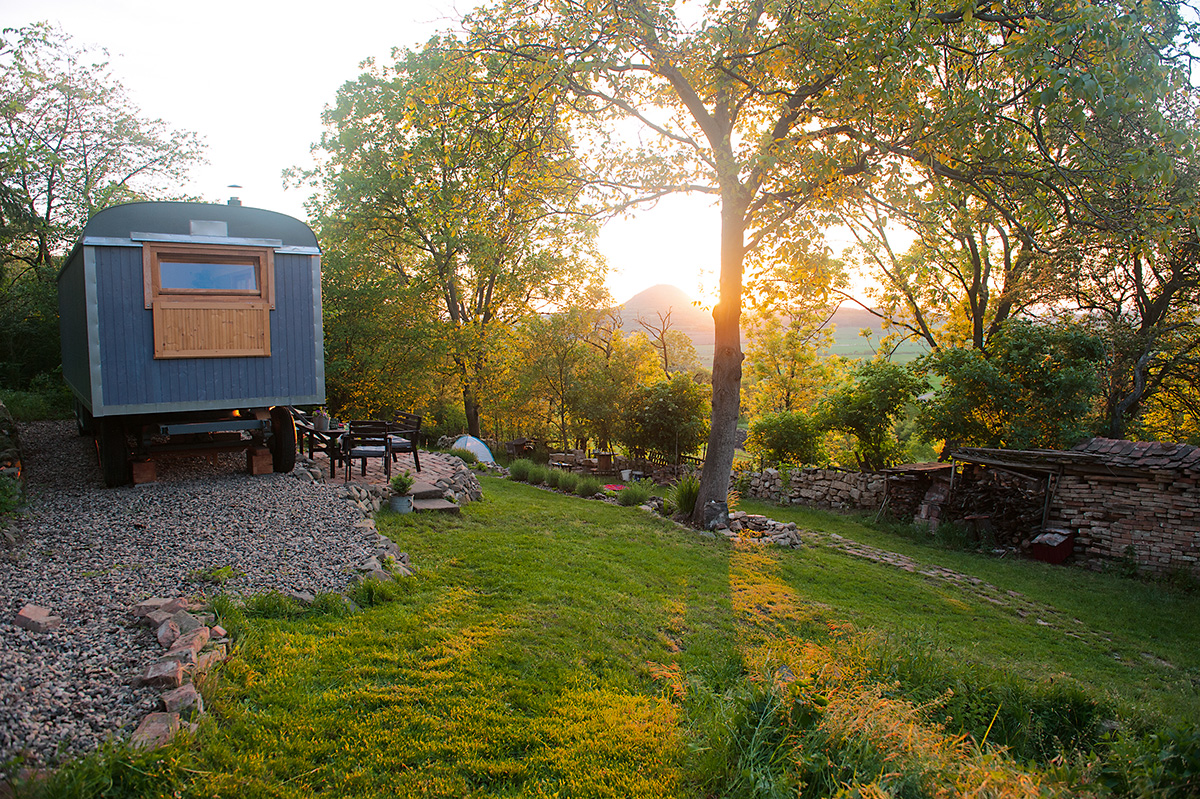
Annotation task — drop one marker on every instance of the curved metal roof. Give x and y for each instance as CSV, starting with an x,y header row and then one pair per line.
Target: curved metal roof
x,y
175,218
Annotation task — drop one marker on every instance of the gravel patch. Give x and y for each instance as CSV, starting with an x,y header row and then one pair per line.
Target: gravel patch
x,y
89,554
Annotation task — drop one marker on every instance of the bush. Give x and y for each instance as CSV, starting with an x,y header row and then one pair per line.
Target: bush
x,y
1163,764
538,474
669,418
443,419
467,455
553,476
681,497
519,470
588,486
34,406
10,495
788,437
567,482
636,493
869,407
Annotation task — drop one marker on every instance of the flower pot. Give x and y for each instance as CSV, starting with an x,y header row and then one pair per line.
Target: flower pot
x,y
321,423
401,503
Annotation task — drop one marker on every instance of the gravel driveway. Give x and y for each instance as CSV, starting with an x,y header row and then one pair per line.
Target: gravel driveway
x,y
89,553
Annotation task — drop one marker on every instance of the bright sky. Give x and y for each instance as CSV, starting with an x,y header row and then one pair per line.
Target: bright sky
x,y
252,78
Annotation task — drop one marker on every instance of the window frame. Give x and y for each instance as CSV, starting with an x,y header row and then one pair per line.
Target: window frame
x,y
262,258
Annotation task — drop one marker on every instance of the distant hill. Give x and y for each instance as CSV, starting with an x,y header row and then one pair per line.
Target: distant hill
x,y
685,315
698,324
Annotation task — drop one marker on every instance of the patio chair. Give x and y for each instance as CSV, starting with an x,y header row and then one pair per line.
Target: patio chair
x,y
404,436
367,439
318,440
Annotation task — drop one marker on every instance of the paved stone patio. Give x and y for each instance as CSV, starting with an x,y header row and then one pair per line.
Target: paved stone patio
x,y
434,466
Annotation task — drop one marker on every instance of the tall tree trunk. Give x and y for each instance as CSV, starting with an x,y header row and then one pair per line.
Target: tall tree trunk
x,y
471,409
727,359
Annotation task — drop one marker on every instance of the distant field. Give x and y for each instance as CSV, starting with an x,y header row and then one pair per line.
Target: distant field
x,y
846,343
663,300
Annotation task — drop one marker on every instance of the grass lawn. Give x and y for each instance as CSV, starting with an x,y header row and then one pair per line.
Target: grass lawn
x,y
1130,642
553,646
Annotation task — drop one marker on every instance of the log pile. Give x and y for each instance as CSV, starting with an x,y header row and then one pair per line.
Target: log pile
x,y
998,504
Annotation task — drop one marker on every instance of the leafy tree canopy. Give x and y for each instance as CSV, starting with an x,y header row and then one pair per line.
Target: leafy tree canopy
x,y
464,181
784,109
668,417
1034,388
787,437
869,406
71,144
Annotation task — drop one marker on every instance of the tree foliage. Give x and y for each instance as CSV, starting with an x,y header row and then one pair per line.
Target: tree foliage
x,y
669,417
787,437
780,109
1034,388
869,407
71,143
787,328
464,183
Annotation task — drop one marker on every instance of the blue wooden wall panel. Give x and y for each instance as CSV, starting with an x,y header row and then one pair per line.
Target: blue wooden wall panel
x,y
73,330
132,376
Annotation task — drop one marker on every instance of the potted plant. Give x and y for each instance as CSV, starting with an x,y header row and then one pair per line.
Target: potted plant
x,y
321,419
400,501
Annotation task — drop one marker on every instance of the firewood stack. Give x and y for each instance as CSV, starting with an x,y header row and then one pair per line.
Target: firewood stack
x,y
999,503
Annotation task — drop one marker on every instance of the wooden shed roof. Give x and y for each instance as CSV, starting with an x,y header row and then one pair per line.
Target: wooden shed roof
x,y
1095,455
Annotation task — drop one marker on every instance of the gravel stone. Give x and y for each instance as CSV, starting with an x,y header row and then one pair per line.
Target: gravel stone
x,y
93,554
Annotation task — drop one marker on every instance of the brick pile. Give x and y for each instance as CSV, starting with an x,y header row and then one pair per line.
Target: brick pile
x,y
1155,519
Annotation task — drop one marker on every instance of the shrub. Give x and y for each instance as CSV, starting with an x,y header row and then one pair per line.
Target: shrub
x,y
681,497
669,417
588,486
46,398
788,437
869,408
538,474
636,493
567,482
1162,764
553,476
467,455
10,495
519,470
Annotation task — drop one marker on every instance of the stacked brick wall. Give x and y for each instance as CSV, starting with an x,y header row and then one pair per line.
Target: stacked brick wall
x,y
1157,515
816,488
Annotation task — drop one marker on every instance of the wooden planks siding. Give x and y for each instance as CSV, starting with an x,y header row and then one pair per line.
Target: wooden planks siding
x,y
211,329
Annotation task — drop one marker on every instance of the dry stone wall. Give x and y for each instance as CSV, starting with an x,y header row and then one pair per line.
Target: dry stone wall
x,y
830,489
1154,518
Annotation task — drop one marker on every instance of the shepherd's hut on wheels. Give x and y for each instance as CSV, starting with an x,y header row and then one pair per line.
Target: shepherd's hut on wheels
x,y
189,328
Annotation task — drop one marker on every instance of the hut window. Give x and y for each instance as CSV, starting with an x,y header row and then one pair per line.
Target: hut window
x,y
209,301
175,275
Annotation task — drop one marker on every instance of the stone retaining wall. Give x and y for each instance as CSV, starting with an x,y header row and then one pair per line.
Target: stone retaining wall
x,y
831,489
1155,519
